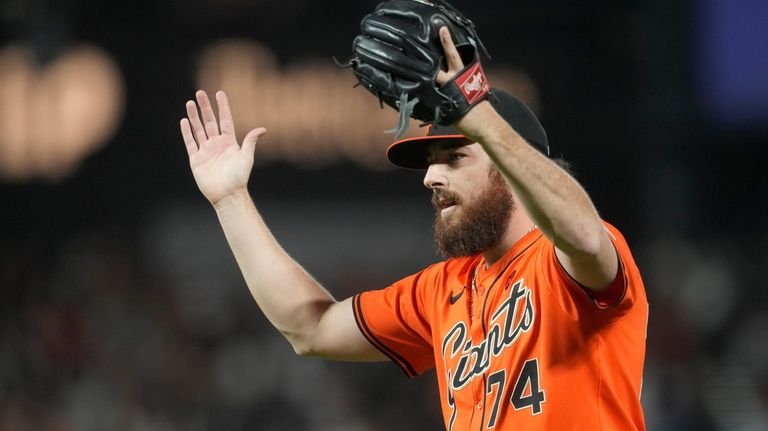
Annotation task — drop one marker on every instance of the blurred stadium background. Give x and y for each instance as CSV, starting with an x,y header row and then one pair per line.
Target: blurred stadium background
x,y
122,309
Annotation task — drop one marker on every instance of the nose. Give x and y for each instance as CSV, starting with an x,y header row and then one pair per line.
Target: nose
x,y
435,177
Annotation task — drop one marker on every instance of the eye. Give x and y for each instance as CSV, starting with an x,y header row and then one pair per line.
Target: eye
x,y
455,156
445,156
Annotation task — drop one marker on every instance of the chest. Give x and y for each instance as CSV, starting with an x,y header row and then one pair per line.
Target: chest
x,y
488,320
487,342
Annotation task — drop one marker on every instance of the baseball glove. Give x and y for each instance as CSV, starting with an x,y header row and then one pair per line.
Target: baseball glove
x,y
398,54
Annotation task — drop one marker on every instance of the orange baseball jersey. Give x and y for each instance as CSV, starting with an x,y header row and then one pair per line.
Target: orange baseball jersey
x,y
526,348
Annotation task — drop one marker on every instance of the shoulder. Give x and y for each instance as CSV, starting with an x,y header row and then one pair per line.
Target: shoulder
x,y
436,280
460,267
446,272
622,247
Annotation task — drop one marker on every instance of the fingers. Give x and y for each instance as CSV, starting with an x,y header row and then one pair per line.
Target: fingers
x,y
452,57
249,142
196,132
189,140
225,115
194,120
209,119
451,53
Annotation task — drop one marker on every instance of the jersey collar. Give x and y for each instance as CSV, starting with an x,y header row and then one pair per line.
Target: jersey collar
x,y
515,251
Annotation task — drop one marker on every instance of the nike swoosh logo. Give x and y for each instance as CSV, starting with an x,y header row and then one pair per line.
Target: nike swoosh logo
x,y
456,297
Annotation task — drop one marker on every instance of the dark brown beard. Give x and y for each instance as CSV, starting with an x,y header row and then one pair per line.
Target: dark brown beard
x,y
482,223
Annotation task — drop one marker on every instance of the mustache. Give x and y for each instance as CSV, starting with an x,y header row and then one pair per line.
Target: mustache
x,y
444,198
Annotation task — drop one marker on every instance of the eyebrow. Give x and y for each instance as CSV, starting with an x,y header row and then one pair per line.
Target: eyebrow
x,y
447,145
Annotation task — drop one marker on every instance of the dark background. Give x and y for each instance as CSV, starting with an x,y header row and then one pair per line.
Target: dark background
x,y
121,307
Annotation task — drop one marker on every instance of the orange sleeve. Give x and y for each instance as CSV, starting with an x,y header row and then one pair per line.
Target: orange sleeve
x,y
394,321
607,306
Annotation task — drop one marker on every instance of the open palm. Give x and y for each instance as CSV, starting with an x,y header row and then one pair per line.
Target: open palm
x,y
220,166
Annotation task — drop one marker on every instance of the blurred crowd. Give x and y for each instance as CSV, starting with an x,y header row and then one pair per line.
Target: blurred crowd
x,y
149,327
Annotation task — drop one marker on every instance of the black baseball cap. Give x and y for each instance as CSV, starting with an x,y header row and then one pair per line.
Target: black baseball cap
x,y
412,153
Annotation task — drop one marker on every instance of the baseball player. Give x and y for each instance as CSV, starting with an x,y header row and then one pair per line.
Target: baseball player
x,y
537,318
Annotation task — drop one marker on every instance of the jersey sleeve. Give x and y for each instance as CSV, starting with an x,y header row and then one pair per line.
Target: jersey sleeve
x,y
606,306
395,322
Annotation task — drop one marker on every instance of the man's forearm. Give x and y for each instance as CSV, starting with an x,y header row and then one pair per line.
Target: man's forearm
x,y
290,298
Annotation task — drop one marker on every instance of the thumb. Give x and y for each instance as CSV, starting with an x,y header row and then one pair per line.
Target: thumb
x,y
249,142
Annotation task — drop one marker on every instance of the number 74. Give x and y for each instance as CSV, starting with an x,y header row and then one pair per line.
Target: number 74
x,y
526,392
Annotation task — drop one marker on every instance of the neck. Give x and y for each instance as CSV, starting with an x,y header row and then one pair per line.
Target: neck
x,y
519,225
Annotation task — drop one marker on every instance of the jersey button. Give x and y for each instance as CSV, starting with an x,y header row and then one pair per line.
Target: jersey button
x,y
481,290
479,405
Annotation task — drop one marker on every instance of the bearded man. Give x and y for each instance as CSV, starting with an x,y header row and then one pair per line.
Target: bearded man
x,y
536,319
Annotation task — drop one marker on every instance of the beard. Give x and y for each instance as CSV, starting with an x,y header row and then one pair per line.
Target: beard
x,y
480,225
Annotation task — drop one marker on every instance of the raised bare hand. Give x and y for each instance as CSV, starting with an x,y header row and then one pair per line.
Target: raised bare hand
x,y
220,166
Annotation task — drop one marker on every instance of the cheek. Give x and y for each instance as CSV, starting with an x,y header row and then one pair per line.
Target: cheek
x,y
474,188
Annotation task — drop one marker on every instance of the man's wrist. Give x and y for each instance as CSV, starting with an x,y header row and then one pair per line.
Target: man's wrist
x,y
232,202
478,121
